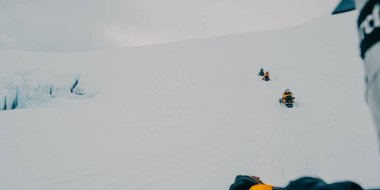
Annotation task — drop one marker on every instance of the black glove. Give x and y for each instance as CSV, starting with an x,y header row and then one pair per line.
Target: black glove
x,y
243,182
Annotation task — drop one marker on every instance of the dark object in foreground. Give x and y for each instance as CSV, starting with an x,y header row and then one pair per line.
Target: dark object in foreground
x,y
243,182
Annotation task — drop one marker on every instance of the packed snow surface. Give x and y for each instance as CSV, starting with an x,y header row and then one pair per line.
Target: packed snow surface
x,y
192,115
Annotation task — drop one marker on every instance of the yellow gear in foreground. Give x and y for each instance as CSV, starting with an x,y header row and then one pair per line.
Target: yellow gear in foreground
x,y
261,187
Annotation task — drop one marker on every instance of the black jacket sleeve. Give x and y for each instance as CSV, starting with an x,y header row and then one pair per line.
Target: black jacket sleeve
x,y
304,183
310,183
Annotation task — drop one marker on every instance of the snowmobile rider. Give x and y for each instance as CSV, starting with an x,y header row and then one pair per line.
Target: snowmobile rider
x,y
261,73
287,95
368,25
266,76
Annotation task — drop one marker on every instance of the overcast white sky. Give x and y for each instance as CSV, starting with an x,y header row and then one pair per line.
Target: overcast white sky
x,y
72,25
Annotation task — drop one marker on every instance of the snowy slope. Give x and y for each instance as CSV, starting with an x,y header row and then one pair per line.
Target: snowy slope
x,y
191,115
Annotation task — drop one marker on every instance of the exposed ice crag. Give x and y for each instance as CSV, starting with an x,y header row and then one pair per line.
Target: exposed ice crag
x,y
35,89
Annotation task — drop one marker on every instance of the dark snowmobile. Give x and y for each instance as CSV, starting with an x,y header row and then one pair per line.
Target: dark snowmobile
x,y
288,101
266,78
261,73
